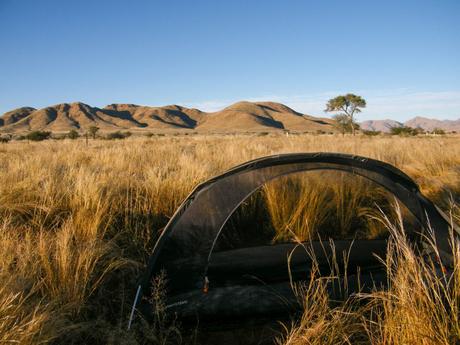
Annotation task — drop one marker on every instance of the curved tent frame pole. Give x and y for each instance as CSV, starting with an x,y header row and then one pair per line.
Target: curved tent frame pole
x,y
196,225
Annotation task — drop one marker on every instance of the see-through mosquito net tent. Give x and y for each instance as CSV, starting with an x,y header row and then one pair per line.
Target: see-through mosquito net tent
x,y
256,281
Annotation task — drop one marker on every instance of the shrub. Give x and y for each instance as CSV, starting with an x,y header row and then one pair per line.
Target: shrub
x,y
405,131
438,131
4,140
73,134
118,135
38,135
371,133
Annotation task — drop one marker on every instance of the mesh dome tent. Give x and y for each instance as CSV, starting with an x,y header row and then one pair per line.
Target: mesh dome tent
x,y
255,281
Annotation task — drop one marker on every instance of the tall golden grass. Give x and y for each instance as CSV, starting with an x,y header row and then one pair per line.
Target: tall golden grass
x,y
420,306
78,223
331,204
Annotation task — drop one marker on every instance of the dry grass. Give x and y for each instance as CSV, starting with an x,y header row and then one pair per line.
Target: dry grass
x,y
331,204
420,306
77,224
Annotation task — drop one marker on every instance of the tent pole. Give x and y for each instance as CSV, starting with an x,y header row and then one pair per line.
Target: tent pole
x,y
131,316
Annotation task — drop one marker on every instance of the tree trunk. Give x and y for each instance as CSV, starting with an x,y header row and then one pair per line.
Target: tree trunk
x,y
352,123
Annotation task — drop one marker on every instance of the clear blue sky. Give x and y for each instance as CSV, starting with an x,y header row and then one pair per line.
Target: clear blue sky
x,y
402,56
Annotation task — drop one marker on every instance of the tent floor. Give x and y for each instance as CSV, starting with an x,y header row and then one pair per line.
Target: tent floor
x,y
258,281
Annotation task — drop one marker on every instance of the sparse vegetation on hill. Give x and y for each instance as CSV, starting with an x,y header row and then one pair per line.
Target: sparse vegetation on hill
x,y
77,225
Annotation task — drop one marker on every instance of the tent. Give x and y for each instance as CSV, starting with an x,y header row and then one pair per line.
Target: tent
x,y
255,281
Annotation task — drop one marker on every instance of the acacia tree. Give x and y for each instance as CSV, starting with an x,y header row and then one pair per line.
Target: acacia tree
x,y
348,105
93,130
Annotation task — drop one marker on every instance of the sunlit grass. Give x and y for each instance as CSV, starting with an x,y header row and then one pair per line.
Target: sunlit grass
x,y
78,223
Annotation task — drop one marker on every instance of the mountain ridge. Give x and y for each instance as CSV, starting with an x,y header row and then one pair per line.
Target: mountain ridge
x,y
239,117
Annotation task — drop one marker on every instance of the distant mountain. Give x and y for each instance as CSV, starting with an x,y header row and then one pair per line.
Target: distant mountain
x,y
430,124
241,116
379,125
417,122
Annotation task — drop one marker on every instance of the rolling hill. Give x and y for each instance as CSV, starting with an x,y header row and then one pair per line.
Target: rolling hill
x,y
239,117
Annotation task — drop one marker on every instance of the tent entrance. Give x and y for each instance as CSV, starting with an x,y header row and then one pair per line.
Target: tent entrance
x,y
329,220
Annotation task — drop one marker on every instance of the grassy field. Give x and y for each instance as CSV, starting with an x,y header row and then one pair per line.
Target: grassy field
x,y
78,222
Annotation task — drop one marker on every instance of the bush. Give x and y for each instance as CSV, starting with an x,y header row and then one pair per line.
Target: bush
x,y
371,133
38,135
4,140
118,135
438,131
405,131
73,134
